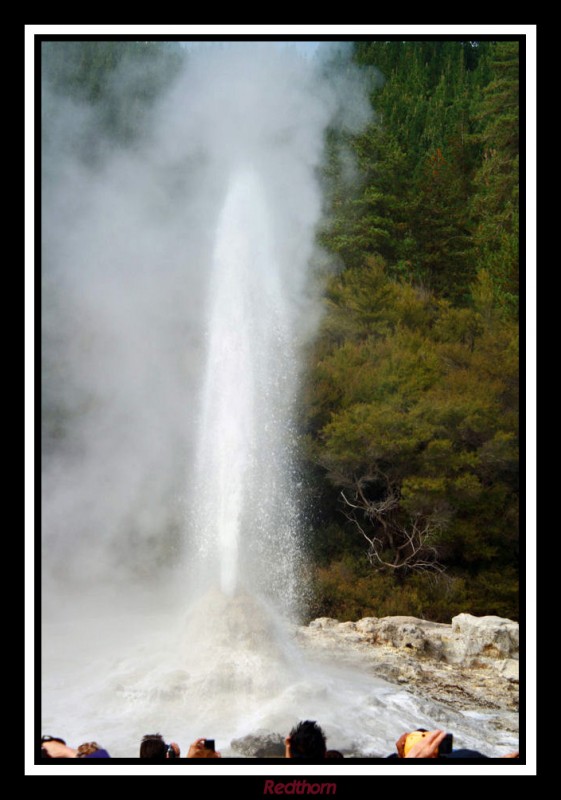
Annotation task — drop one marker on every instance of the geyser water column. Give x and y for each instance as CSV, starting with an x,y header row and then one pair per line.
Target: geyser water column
x,y
244,510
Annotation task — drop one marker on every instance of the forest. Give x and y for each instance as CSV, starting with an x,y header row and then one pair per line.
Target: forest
x,y
411,403
408,422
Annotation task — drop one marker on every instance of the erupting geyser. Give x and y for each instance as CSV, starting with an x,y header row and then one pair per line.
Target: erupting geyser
x,y
244,507
177,295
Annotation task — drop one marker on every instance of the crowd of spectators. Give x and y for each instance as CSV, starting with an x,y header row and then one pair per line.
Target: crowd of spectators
x,y
306,740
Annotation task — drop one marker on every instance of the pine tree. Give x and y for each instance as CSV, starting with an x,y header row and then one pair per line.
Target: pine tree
x,y
496,202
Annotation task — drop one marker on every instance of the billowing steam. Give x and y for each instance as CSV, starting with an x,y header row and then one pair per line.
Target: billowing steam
x,y
130,238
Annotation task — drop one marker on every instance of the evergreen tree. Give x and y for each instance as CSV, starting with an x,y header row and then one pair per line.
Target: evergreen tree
x,y
415,164
496,202
439,224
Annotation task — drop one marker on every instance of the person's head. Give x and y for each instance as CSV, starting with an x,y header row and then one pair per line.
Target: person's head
x,y
44,752
86,749
153,747
334,755
307,740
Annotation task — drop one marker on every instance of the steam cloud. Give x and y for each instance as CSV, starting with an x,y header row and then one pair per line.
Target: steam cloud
x,y
128,238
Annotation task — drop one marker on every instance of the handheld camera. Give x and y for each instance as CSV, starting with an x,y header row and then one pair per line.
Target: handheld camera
x,y
444,748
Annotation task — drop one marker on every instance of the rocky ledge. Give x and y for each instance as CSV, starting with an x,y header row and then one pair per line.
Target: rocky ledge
x,y
471,664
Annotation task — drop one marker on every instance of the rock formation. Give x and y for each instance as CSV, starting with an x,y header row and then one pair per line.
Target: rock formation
x,y
472,663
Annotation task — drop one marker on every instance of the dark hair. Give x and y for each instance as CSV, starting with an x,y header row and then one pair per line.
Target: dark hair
x,y
46,738
307,740
334,755
153,747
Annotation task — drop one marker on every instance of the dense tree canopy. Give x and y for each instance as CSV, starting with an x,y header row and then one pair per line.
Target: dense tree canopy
x,y
411,407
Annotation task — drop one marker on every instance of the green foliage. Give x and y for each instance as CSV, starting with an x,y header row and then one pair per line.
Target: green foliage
x,y
346,591
435,191
496,201
438,218
411,406
414,401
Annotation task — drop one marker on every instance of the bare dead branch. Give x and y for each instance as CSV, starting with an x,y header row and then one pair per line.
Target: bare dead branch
x,y
411,545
